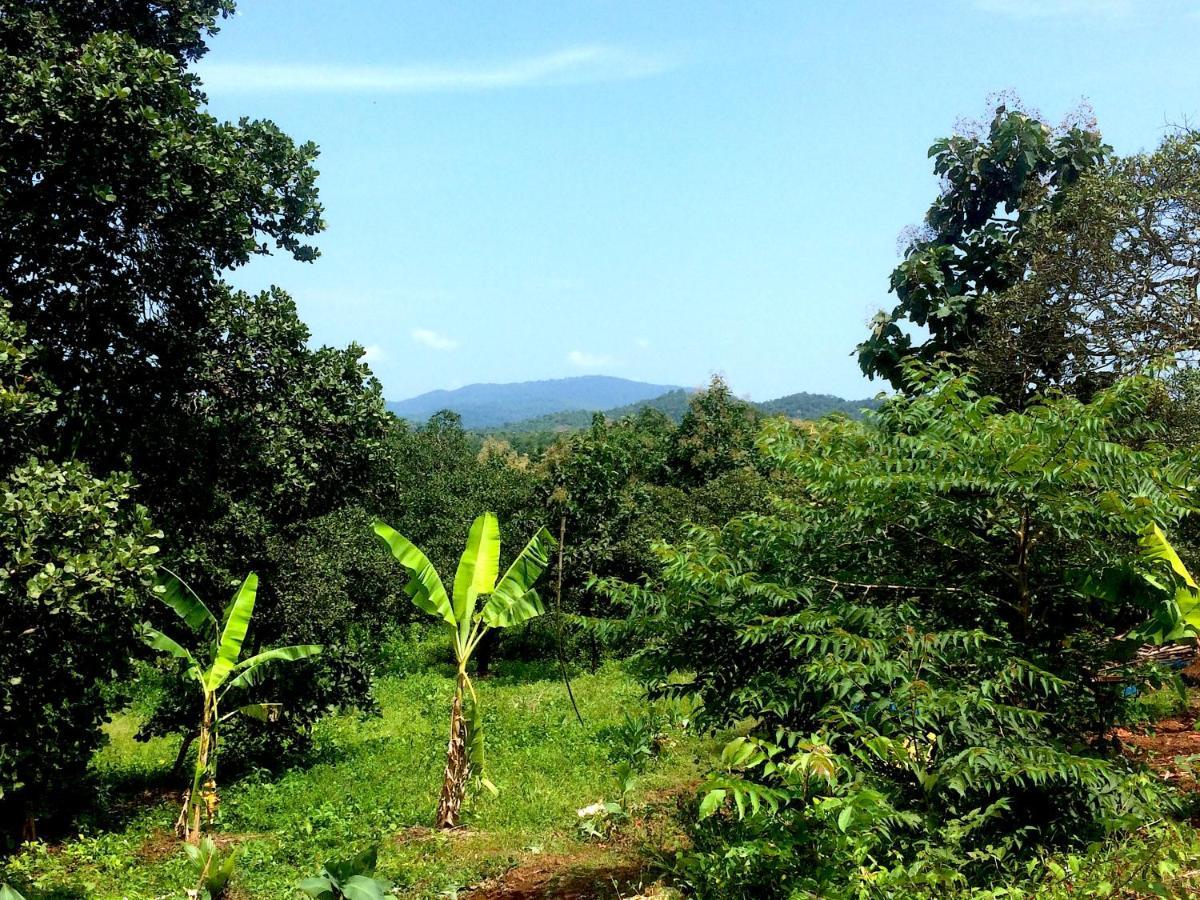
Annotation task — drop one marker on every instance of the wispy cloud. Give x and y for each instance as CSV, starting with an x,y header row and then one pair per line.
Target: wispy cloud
x,y
572,65
642,343
373,353
581,359
431,338
1047,9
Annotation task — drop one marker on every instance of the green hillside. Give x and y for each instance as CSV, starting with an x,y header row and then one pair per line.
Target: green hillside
x,y
535,434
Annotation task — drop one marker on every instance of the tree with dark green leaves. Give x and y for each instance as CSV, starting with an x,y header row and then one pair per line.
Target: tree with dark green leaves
x,y
76,552
975,243
123,204
715,436
1112,281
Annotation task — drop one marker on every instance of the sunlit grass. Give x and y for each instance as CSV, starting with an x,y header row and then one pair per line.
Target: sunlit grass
x,y
376,782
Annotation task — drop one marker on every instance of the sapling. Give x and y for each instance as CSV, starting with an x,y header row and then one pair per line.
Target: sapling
x,y
222,642
509,601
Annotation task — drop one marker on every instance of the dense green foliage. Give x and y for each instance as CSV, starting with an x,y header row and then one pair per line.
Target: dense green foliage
x,y
915,634
122,205
74,553
1048,261
975,244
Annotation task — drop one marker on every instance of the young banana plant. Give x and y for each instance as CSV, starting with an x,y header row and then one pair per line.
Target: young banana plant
x,y
222,673
509,601
1182,611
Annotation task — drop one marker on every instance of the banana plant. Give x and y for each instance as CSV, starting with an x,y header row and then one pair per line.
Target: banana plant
x,y
508,601
1180,618
222,673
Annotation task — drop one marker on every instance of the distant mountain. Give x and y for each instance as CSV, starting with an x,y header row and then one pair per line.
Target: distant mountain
x,y
484,406
674,404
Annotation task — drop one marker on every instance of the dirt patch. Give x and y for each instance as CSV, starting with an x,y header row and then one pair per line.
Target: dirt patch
x,y
615,869
593,873
161,844
1160,745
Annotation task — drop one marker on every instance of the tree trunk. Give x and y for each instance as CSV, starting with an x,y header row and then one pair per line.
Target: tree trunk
x,y
195,797
181,757
458,768
484,651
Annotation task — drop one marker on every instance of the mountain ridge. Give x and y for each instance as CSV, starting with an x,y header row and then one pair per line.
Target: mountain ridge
x,y
490,405
487,407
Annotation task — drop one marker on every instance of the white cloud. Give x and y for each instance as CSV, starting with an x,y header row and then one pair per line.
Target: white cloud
x,y
1046,9
584,360
431,338
642,343
374,354
573,65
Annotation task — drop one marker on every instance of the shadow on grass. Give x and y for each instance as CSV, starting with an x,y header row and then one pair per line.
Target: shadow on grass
x,y
58,893
513,672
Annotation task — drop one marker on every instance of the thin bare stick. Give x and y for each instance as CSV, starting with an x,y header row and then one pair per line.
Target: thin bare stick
x,y
562,662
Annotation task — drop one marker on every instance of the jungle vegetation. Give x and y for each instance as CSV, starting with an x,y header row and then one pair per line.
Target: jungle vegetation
x,y
885,655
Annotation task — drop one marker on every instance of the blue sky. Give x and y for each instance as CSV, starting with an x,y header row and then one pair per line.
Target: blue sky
x,y
658,190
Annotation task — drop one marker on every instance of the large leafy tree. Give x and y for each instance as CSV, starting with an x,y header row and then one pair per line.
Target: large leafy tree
x,y
1111,285
75,553
975,241
121,203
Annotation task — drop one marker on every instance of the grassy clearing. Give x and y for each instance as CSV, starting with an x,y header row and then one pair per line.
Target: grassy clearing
x,y
375,781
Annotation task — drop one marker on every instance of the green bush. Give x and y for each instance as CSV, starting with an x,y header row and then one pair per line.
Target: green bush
x,y
913,635
76,555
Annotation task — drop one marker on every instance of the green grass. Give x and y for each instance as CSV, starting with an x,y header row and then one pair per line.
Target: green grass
x,y
375,782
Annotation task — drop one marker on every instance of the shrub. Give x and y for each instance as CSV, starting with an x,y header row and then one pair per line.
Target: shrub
x,y
75,554
914,637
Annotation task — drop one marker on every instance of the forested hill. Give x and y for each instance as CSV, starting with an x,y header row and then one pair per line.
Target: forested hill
x,y
675,403
492,408
483,406
534,435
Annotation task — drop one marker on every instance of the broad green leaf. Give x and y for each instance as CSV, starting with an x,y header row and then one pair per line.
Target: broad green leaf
x,y
160,641
711,803
1157,548
237,623
425,587
360,887
174,592
250,671
263,712
477,570
514,600
318,888
362,863
845,817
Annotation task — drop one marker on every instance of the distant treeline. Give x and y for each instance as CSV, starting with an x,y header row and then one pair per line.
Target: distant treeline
x,y
535,434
